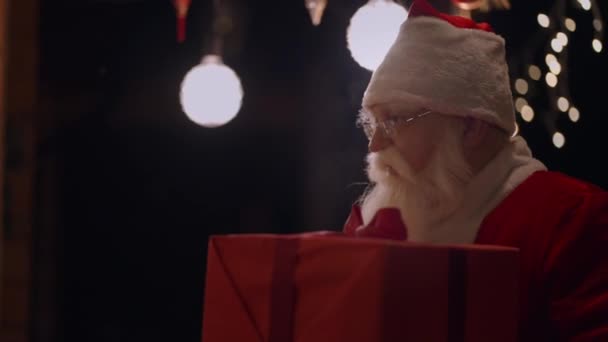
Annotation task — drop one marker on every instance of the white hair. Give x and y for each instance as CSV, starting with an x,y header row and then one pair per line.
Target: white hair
x,y
425,198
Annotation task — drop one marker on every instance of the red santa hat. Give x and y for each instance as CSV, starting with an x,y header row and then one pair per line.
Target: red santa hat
x,y
448,64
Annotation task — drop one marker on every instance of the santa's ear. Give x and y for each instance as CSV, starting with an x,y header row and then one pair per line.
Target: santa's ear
x,y
474,132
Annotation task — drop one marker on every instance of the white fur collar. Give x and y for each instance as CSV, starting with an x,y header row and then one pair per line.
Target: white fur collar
x,y
487,189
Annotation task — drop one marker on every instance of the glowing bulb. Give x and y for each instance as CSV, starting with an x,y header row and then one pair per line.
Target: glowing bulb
x,y
551,80
520,102
527,113
570,25
597,45
559,140
597,25
373,30
211,93
555,67
562,38
543,20
556,45
550,58
563,104
574,114
521,86
585,4
534,72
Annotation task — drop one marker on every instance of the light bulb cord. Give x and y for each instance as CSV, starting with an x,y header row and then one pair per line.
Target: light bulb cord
x,y
218,30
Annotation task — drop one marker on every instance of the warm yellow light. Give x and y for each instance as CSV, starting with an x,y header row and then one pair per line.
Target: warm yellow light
x,y
570,25
521,86
520,102
597,25
585,4
574,114
543,20
534,72
597,45
373,30
563,104
551,79
527,113
556,45
562,38
559,140
553,64
211,93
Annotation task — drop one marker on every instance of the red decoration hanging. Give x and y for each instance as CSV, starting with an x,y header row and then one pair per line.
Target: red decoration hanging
x,y
181,12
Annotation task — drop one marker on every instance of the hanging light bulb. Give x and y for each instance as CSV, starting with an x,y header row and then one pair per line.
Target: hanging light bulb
x,y
373,30
211,93
315,10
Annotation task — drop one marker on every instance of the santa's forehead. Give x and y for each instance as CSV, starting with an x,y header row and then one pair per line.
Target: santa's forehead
x,y
394,108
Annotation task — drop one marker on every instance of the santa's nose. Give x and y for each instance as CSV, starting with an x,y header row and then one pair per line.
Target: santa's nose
x,y
378,142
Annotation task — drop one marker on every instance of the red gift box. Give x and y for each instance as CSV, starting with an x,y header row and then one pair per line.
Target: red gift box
x,y
328,287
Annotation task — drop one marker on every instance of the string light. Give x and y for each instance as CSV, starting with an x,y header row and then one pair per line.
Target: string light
x,y
534,72
574,114
527,113
556,26
543,20
597,45
563,104
520,102
585,4
570,24
597,25
562,38
556,45
559,139
521,86
551,80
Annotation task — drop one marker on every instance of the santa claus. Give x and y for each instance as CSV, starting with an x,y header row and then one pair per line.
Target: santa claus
x,y
446,167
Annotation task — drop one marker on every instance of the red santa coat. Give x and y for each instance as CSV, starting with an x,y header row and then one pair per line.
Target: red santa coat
x,y
560,225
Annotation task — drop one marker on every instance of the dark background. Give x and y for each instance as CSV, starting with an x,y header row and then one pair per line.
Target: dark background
x,y
139,187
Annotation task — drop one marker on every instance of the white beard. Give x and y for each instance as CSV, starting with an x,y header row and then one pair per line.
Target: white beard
x,y
425,199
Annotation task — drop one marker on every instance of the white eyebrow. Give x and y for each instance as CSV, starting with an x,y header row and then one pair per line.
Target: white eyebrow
x,y
364,115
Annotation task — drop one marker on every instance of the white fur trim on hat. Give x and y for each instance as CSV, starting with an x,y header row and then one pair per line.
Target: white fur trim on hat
x,y
447,69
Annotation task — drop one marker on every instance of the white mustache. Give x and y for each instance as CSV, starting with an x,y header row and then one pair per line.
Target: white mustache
x,y
387,163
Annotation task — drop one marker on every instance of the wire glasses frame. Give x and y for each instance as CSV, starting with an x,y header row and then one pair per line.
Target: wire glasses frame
x,y
388,126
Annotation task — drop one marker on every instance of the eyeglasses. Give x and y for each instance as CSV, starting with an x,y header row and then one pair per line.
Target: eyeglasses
x,y
388,126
